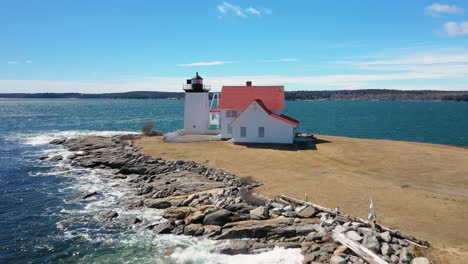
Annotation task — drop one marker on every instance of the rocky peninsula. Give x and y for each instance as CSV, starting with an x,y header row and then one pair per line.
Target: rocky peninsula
x,y
208,202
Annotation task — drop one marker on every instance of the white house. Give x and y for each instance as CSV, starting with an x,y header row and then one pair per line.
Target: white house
x,y
257,124
253,114
247,114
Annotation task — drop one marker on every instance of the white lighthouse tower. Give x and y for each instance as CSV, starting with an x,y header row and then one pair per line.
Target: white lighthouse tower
x,y
197,108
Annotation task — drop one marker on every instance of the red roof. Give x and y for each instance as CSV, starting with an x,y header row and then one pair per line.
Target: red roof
x,y
239,97
284,118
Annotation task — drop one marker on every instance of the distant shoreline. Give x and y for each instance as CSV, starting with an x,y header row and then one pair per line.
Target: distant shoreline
x,y
362,95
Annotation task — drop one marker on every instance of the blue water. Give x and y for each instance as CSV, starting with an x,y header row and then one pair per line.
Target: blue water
x,y
42,219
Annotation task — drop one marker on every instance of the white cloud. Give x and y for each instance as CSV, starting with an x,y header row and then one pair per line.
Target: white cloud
x,y
204,63
280,60
12,62
28,61
437,9
454,29
253,11
226,8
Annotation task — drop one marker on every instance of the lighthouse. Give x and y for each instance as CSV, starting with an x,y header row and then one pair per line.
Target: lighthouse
x,y
196,107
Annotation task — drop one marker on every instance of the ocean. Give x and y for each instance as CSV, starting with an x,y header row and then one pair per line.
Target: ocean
x,y
43,219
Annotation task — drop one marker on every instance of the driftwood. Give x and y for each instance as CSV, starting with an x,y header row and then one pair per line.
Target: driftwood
x,y
357,248
394,232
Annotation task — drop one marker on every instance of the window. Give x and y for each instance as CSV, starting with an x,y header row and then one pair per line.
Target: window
x,y
229,129
231,113
243,131
261,132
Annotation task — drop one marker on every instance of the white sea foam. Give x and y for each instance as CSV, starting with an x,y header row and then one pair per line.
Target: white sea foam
x,y
205,251
37,139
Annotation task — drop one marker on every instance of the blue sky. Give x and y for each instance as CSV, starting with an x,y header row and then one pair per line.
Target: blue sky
x,y
109,46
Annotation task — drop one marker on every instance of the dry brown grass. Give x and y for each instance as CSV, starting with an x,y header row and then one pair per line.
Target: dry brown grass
x,y
419,188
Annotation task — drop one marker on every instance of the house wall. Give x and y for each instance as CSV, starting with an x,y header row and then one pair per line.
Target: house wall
x,y
196,113
225,121
276,131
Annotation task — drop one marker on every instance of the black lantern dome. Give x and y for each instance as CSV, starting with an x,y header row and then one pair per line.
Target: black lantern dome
x,y
195,85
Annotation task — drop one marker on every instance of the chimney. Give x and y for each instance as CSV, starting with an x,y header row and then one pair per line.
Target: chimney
x,y
248,83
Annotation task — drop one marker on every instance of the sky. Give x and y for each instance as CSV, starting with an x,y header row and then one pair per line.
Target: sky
x,y
133,45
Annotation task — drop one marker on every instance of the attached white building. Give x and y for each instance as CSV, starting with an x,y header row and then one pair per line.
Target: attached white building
x,y
253,114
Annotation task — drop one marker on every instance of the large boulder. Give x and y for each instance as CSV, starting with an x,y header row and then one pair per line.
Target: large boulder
x,y
109,215
211,230
253,228
372,243
178,212
194,230
157,203
219,217
307,211
164,228
259,213
196,217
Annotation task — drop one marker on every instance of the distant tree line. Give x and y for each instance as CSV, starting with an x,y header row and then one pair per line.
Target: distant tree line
x,y
369,94
379,94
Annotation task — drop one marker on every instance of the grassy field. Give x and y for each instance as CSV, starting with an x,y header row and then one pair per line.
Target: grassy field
x,y
418,188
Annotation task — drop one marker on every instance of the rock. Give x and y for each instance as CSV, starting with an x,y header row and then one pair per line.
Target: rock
x,y
386,249
56,158
259,213
353,235
320,230
189,199
157,203
372,243
133,203
219,217
420,260
277,205
178,212
194,218
307,211
340,229
385,236
133,220
239,207
178,230
109,215
365,230
405,255
275,212
337,260
211,230
253,228
194,230
89,195
394,259
58,141
328,222
164,228
340,250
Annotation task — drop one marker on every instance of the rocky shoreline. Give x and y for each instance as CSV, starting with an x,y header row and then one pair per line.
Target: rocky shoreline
x,y
207,202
